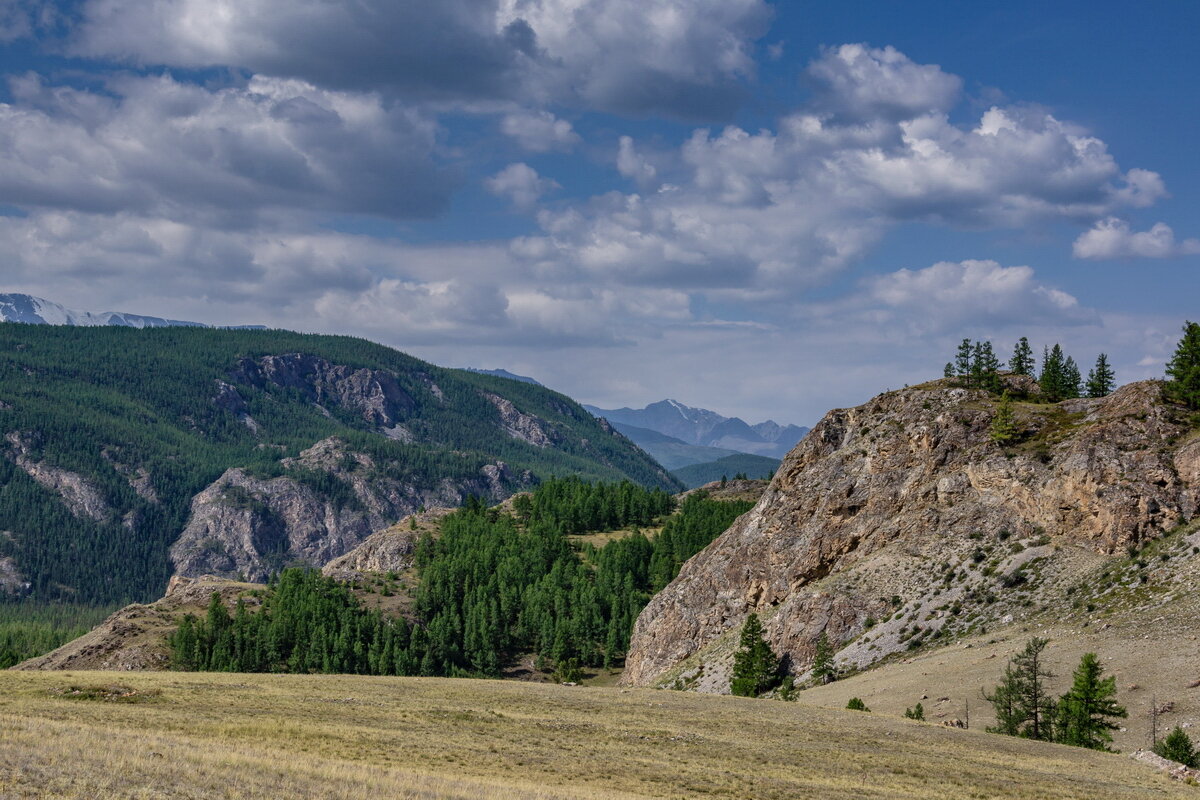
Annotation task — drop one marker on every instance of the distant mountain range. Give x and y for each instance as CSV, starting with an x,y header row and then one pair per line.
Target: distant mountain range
x,y
701,428
502,373
38,311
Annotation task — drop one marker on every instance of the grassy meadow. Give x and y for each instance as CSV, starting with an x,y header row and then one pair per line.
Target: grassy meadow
x,y
189,735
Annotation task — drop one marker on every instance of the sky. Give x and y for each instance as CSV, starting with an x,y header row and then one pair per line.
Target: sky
x,y
766,209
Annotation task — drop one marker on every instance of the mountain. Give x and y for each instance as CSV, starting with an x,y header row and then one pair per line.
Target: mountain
x,y
900,525
672,453
502,373
699,426
127,456
36,311
697,475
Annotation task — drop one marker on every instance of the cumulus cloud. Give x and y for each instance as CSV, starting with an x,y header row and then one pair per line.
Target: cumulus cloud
x,y
158,145
1113,238
634,166
521,184
539,131
684,57
790,207
856,82
948,295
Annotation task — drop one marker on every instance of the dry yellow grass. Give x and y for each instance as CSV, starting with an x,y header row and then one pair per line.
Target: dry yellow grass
x,y
252,736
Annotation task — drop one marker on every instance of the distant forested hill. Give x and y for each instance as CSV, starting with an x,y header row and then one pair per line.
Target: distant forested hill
x,y
266,447
740,464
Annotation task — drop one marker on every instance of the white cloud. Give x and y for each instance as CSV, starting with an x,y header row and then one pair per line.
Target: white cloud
x,y
521,184
1113,238
539,131
634,166
856,82
786,209
975,293
170,148
683,57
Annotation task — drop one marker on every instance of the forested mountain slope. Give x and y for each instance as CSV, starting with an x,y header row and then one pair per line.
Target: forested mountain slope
x,y
249,450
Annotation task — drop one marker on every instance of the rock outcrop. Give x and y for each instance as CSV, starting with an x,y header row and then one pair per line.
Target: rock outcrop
x,y
390,550
374,394
78,493
135,637
327,503
892,503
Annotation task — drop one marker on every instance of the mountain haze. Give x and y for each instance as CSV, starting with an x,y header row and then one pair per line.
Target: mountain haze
x,y
699,426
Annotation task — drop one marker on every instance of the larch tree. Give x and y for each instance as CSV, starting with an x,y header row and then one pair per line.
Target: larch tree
x,y
755,665
1087,712
1021,362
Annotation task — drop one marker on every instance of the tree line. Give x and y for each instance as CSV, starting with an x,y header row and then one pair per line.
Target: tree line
x,y
492,586
976,366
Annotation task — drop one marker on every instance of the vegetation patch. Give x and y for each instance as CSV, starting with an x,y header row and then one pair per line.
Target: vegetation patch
x,y
112,693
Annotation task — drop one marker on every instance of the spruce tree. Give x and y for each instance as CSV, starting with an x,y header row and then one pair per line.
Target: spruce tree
x,y
1184,368
1087,711
1101,378
1178,747
1004,426
823,669
1053,379
1021,362
1071,379
755,665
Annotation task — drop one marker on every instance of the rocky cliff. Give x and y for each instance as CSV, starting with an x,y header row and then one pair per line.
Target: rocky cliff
x,y
328,502
900,521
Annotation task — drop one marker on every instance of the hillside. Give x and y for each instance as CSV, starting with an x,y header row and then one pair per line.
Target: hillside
x,y
900,525
130,455
696,475
271,736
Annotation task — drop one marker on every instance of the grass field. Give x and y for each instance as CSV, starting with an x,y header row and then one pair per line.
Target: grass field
x,y
278,736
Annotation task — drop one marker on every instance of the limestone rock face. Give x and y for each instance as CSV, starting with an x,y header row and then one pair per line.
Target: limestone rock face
x,y
878,497
375,394
389,550
519,425
246,526
78,493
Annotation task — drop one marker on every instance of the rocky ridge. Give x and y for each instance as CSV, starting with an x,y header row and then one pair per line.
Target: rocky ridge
x,y
248,527
900,518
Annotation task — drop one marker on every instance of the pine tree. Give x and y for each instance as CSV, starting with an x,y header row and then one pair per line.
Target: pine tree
x,y
1087,711
1100,379
1184,368
1178,747
962,362
1004,426
823,669
755,665
1021,362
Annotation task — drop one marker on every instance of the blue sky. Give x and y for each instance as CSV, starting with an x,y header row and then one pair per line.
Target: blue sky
x,y
768,209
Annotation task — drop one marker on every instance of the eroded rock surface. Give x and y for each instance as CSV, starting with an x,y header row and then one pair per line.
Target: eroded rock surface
x,y
878,498
246,526
390,550
78,492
